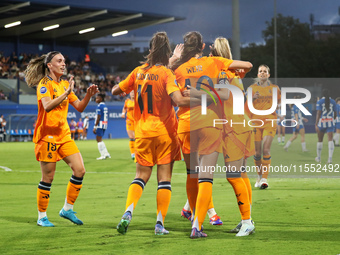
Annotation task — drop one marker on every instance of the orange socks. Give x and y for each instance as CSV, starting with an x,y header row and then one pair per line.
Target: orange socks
x,y
211,204
242,196
266,161
43,196
132,145
203,200
163,201
247,182
73,189
192,189
135,192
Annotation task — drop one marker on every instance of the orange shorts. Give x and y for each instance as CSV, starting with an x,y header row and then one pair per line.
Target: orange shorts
x,y
238,146
269,128
73,131
206,140
51,152
130,125
158,150
184,139
80,131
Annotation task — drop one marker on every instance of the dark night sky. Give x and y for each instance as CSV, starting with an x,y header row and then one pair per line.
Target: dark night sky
x,y
213,18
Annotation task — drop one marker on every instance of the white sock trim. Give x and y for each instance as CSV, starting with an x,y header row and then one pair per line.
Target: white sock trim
x,y
41,215
67,206
211,212
160,217
187,206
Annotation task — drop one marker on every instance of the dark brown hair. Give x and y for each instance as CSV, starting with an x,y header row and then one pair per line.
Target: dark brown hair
x,y
159,50
193,44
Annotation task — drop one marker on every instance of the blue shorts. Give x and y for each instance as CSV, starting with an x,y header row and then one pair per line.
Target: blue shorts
x,y
337,125
100,132
295,130
326,129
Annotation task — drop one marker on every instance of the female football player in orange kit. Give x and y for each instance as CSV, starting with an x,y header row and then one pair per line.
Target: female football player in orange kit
x,y
200,140
52,136
238,141
127,113
156,142
264,126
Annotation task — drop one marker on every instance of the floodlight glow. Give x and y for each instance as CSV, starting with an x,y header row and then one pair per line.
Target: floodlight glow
x,y
120,33
86,30
51,27
13,24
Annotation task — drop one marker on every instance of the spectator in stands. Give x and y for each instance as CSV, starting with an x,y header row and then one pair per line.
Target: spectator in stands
x,y
14,57
2,95
101,77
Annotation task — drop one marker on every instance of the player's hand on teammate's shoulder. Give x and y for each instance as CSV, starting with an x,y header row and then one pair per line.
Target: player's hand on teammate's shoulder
x,y
178,50
186,93
191,91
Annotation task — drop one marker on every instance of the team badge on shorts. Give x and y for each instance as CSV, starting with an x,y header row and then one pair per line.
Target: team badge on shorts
x,y
49,155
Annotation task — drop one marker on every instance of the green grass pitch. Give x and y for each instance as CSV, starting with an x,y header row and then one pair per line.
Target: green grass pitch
x,y
298,214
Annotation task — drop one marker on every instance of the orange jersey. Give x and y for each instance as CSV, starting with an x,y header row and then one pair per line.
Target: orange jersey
x,y
265,100
154,114
234,120
196,72
52,126
129,105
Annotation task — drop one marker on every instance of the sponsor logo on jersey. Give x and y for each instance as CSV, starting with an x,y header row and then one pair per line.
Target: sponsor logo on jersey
x,y
43,90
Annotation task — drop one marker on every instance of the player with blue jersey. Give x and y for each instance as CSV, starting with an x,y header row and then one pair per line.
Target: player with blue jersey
x,y
337,123
101,125
298,129
325,115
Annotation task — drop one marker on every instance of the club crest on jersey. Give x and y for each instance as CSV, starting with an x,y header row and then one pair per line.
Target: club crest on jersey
x,y
43,90
55,90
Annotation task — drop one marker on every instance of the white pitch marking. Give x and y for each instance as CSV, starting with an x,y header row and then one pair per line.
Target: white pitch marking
x,y
6,168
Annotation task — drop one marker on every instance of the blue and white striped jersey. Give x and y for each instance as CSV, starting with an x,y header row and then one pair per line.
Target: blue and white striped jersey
x,y
104,115
327,116
297,111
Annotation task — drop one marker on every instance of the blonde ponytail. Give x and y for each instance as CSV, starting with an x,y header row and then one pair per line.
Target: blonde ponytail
x,y
37,68
35,71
